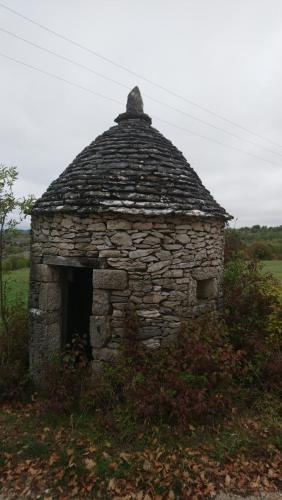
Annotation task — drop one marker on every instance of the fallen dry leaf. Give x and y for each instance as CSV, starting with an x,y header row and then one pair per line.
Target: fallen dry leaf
x,y
89,464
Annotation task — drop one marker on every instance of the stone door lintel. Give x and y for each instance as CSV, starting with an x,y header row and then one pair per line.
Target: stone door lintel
x,y
57,260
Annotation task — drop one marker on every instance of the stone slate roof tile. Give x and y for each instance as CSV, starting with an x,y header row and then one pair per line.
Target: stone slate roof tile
x,y
132,169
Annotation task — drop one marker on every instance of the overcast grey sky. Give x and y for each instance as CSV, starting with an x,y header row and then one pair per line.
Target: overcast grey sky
x,y
224,55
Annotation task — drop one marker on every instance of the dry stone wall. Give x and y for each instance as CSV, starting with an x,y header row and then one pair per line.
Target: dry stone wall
x,y
159,270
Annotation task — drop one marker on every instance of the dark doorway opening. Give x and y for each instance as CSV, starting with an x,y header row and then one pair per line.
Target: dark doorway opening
x,y
77,304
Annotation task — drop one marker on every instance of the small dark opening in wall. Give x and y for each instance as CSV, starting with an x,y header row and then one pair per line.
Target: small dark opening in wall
x,y
77,304
206,289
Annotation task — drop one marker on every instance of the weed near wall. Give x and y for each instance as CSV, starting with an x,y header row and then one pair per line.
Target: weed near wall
x,y
214,367
253,316
14,377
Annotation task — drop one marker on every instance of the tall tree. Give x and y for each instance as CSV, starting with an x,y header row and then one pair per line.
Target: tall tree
x,y
12,211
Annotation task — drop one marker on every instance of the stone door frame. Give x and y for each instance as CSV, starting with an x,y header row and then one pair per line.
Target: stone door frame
x,y
46,320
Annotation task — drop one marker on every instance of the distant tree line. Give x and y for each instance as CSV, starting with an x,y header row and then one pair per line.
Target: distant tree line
x,y
259,242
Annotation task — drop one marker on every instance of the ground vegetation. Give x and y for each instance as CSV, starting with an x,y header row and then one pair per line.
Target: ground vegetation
x,y
185,421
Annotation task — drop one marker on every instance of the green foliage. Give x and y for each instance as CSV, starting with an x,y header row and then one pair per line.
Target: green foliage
x,y
9,205
260,250
15,262
8,202
253,314
274,321
233,244
14,379
215,365
247,296
13,314
270,237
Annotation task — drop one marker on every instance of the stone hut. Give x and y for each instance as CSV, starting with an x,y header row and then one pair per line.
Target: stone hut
x,y
127,228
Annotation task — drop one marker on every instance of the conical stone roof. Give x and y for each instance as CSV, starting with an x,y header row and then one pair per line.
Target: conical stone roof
x,y
132,169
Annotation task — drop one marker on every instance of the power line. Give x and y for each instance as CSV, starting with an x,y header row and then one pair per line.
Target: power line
x,y
97,94
64,58
215,141
101,75
124,68
52,75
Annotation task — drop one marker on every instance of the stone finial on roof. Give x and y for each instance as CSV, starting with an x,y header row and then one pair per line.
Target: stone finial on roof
x,y
134,108
134,101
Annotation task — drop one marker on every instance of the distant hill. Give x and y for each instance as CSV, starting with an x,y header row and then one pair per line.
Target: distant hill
x,y
17,245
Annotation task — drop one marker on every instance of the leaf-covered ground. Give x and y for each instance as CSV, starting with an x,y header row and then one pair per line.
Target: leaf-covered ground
x,y
46,456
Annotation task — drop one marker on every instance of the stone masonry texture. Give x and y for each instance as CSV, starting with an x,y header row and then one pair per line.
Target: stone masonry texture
x,y
149,265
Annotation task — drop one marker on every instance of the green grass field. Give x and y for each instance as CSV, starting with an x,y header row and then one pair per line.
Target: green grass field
x,y
17,285
274,267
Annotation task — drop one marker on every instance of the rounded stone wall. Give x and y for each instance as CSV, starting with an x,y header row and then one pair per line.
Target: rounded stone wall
x,y
162,270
